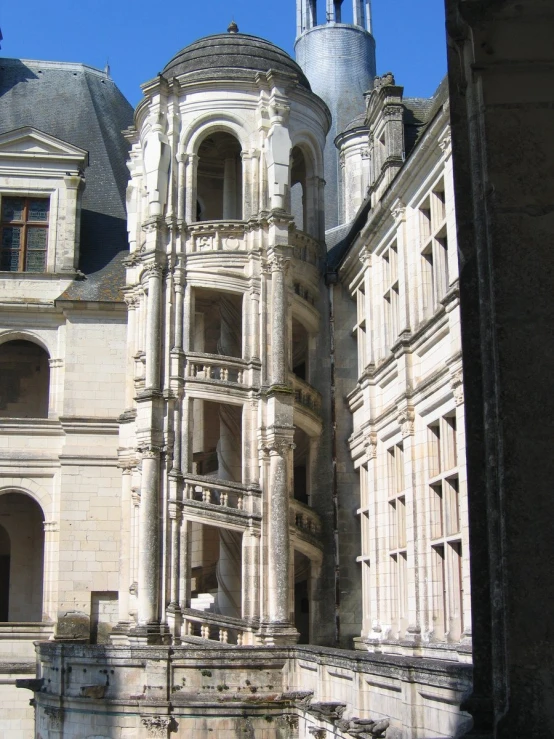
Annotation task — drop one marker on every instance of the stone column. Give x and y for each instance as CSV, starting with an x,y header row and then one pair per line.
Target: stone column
x,y
181,185
279,313
132,304
149,535
175,519
230,187
278,629
188,316
153,328
254,324
125,549
191,167
50,570
185,564
251,575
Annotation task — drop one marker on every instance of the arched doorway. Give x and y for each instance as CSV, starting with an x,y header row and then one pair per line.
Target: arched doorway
x,y
21,558
219,178
24,380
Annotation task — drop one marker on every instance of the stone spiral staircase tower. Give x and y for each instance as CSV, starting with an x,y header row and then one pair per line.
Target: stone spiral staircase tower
x,y
223,290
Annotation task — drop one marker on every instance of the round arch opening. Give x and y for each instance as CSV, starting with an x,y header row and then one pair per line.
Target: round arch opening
x,y
24,380
21,558
219,178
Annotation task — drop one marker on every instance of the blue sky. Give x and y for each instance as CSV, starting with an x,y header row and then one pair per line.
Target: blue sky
x,y
138,37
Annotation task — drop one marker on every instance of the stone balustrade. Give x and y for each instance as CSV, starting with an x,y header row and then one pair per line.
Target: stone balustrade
x,y
305,247
214,627
305,395
304,518
210,236
230,495
216,368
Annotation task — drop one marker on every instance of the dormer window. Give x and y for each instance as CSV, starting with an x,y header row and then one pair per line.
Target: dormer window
x,y
24,237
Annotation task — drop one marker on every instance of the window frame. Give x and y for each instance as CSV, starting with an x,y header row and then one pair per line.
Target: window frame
x,y
25,224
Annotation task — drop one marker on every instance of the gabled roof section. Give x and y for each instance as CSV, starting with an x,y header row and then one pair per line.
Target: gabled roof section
x,y
30,143
82,107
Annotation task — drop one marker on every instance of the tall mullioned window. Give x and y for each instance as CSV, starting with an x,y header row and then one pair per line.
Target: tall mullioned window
x,y
390,294
24,238
434,248
359,329
446,545
398,555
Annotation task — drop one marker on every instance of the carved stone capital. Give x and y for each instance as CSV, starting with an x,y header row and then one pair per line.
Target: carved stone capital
x,y
317,733
279,263
279,447
150,452
151,270
157,726
55,362
51,527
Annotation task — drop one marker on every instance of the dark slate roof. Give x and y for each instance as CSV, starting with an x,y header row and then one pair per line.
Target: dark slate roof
x,y
82,106
227,54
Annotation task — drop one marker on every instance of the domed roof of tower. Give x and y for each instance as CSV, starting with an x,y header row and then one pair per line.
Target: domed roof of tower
x,y
226,55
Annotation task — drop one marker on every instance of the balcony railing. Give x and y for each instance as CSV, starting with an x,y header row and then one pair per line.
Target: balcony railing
x,y
306,395
304,518
214,367
222,493
210,236
212,626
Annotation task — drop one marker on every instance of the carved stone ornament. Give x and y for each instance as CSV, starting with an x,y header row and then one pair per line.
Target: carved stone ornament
x,y
405,419
383,81
156,725
364,728
445,142
317,733
55,716
328,711
370,444
365,256
50,527
398,211
456,383
291,720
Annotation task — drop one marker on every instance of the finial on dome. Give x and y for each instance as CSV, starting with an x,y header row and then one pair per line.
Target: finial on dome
x,y
233,28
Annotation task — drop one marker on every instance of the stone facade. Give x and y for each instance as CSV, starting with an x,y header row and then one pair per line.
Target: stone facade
x,y
233,457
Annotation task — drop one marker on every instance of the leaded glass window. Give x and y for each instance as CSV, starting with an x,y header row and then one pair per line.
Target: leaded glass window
x,y
24,239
